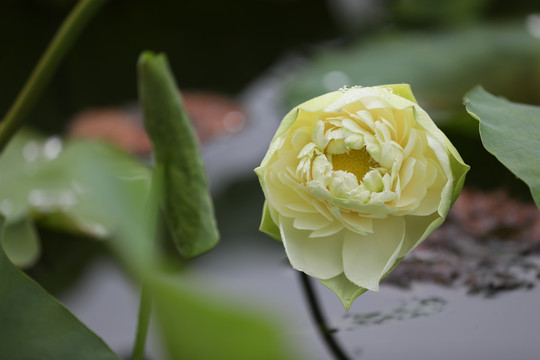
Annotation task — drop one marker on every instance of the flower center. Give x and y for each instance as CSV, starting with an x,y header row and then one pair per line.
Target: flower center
x,y
357,162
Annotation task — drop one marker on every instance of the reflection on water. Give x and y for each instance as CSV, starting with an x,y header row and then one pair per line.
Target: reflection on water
x,y
407,310
467,327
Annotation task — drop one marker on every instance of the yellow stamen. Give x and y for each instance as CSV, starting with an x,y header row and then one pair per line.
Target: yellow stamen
x,y
357,162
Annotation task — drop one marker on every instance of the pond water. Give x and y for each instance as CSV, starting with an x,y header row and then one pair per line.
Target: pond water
x,y
425,322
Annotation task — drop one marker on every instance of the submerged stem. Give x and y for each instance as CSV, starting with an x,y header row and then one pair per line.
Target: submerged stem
x,y
48,63
320,321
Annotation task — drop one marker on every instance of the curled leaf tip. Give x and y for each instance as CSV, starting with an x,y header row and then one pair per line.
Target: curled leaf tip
x,y
186,199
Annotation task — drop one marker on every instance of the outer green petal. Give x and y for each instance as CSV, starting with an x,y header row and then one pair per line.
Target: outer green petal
x,y
344,289
417,229
457,165
268,226
403,90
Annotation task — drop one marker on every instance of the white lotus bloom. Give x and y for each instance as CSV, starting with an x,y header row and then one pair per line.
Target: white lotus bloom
x,y
354,180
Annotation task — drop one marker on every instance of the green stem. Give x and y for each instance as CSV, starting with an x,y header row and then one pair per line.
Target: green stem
x,y
320,320
145,306
46,67
145,309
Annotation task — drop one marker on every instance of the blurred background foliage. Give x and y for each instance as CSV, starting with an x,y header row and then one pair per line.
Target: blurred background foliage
x,y
213,45
223,45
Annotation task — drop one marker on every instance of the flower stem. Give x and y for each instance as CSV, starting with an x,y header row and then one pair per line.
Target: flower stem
x,y
143,321
46,67
320,321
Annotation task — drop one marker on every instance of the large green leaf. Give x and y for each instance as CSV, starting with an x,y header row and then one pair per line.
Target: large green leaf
x,y
511,132
33,176
117,188
42,180
186,199
47,183
21,243
111,192
34,326
197,327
